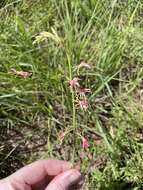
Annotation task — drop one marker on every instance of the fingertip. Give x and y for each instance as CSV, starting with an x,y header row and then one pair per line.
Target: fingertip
x,y
73,175
65,180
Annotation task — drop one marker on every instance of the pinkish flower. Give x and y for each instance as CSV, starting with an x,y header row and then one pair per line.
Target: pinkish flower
x,y
83,91
84,64
85,143
62,136
23,74
74,84
83,104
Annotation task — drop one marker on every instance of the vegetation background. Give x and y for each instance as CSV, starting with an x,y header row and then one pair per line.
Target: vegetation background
x,y
36,109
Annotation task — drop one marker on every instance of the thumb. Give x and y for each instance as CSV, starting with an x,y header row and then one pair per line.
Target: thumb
x,y
65,180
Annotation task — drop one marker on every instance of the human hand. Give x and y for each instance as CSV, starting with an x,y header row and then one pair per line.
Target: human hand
x,y
43,175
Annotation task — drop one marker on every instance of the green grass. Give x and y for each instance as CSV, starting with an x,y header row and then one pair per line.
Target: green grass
x,y
108,35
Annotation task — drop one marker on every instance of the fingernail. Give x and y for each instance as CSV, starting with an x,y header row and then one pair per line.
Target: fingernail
x,y
82,180
74,176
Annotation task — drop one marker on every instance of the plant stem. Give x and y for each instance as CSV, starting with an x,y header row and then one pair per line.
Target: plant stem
x,y
73,96
73,106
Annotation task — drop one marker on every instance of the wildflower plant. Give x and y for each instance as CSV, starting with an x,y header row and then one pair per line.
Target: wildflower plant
x,y
78,93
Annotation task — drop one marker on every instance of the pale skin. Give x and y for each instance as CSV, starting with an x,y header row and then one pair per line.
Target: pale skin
x,y
43,175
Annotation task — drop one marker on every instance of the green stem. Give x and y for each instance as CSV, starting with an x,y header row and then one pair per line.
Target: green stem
x,y
73,96
73,106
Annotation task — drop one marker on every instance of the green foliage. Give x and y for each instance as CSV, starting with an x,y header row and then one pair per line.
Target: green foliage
x,y
49,39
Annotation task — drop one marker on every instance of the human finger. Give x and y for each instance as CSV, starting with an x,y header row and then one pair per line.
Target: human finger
x,y
39,170
65,180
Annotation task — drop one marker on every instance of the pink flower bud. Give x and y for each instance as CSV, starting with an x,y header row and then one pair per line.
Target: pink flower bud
x,y
85,143
62,136
74,84
83,104
23,74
